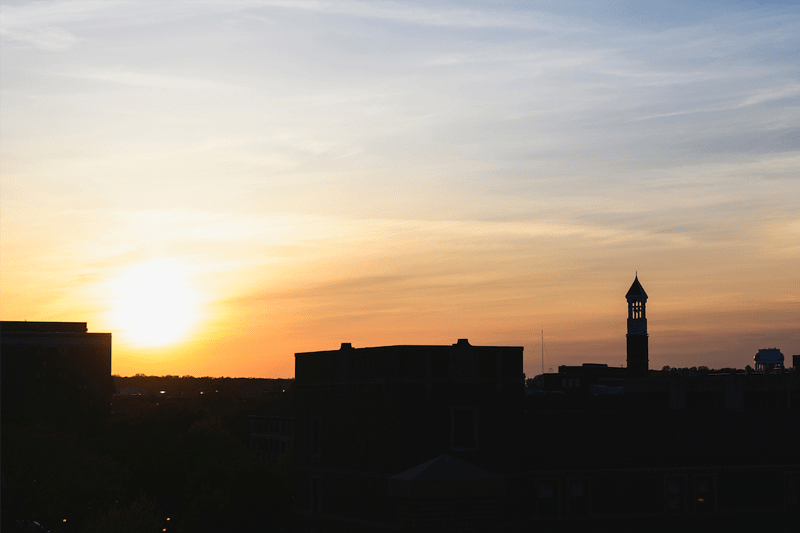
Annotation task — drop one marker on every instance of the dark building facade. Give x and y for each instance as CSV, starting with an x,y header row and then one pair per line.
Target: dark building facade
x,y
364,415
663,470
54,369
272,430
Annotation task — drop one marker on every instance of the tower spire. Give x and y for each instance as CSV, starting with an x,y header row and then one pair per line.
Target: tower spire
x,y
638,362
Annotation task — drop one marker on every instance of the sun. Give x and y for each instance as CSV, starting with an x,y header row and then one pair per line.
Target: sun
x,y
153,304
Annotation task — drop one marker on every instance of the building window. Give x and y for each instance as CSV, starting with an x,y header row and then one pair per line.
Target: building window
x,y
316,447
316,494
464,428
674,489
546,504
579,497
705,491
791,490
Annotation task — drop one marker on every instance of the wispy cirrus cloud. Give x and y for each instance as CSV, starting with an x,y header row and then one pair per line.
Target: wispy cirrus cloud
x,y
432,15
41,24
157,81
50,39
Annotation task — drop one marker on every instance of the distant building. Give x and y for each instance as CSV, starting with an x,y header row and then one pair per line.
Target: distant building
x,y
52,370
769,360
272,430
587,388
597,386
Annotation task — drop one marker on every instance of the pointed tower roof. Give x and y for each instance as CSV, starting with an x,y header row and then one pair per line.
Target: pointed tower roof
x,y
636,289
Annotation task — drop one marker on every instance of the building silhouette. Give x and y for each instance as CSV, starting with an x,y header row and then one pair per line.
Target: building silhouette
x,y
445,438
54,370
769,360
272,430
368,416
638,362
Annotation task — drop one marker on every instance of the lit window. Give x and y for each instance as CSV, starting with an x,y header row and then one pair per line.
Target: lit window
x,y
704,492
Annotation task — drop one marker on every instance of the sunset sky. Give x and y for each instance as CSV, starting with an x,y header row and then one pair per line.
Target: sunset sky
x,y
221,184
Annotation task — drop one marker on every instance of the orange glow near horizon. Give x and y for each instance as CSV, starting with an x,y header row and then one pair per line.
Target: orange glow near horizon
x,y
205,313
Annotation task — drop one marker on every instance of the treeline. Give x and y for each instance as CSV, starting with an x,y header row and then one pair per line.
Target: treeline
x,y
152,464
192,387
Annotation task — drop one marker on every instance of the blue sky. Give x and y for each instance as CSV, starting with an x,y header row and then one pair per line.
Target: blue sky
x,y
400,172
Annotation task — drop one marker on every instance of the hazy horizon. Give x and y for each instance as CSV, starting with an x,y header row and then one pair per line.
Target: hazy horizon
x,y
223,184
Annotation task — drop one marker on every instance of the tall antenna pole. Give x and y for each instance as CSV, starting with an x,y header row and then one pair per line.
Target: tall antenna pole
x,y
542,351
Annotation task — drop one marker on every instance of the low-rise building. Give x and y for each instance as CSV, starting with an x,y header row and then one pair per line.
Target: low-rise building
x,y
365,415
53,369
272,430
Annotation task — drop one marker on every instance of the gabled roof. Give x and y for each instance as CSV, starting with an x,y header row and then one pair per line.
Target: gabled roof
x,y
636,289
444,467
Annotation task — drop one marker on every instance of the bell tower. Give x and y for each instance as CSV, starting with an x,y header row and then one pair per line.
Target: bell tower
x,y
638,363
